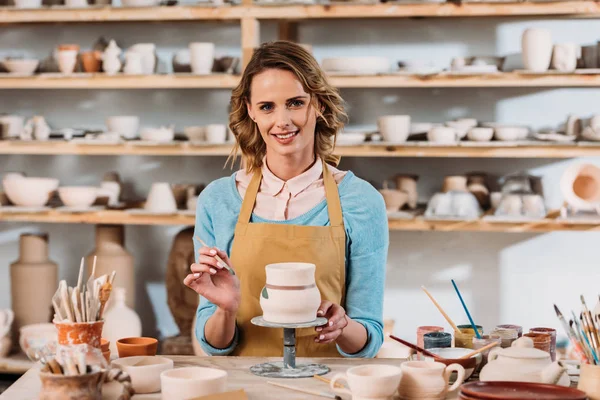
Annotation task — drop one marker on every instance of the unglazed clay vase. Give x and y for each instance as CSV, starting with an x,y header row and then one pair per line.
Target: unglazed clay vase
x,y
144,371
192,382
425,380
119,320
536,46
408,184
161,198
580,186
368,382
290,294
33,281
112,256
564,57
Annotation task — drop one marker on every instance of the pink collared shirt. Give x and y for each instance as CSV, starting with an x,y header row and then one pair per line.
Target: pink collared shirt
x,y
280,200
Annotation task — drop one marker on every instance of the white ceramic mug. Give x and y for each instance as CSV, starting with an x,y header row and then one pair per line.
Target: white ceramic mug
x,y
564,56
394,128
443,135
425,380
216,133
202,57
133,63
369,382
67,60
161,198
148,51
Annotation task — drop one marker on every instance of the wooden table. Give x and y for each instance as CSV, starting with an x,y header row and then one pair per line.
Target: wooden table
x,y
28,386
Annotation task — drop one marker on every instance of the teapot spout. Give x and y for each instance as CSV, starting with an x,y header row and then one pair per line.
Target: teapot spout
x,y
552,373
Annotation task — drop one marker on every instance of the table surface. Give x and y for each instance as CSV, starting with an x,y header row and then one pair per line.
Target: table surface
x,y
240,377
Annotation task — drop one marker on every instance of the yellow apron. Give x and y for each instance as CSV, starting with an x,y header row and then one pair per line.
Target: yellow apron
x,y
257,244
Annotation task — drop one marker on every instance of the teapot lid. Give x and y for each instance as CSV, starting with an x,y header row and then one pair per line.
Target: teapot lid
x,y
523,348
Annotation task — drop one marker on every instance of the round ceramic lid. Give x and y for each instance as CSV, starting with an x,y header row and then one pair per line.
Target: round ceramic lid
x,y
523,352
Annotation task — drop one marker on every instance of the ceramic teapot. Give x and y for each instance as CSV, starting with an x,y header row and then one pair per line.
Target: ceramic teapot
x,y
523,363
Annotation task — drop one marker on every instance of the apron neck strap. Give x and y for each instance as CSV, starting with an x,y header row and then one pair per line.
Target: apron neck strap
x,y
332,196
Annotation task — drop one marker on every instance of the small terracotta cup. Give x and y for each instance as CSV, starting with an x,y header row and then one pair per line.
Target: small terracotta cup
x,y
73,333
68,47
105,347
91,61
137,346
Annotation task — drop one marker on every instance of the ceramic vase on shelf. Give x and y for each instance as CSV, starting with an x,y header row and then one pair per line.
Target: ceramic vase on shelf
x,y
536,46
120,321
112,256
33,281
564,56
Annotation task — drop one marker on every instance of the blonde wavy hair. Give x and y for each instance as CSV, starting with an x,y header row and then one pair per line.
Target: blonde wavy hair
x,y
325,99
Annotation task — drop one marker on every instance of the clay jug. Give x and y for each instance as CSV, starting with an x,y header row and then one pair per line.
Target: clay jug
x,y
33,281
120,321
112,256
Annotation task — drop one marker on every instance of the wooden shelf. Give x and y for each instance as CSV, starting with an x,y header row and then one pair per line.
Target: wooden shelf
x,y
103,81
526,150
225,81
296,12
15,364
549,224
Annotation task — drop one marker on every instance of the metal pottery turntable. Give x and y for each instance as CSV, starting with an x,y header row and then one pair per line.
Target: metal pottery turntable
x,y
288,368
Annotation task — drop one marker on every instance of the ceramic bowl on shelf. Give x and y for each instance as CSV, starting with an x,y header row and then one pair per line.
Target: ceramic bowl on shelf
x,y
29,191
192,382
160,135
125,125
21,66
144,371
195,133
356,65
480,134
78,196
509,133
28,3
394,128
350,138
453,204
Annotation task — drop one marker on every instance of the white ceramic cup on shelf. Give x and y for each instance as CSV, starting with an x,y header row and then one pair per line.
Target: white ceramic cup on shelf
x,y
216,133
202,57
376,382
564,56
394,128
67,60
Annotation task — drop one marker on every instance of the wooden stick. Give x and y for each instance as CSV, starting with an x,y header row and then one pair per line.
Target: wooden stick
x,y
327,381
307,391
415,347
220,261
80,278
481,350
435,303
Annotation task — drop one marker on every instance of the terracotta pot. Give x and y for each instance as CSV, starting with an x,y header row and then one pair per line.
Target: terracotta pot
x,y
80,387
455,183
137,346
92,61
112,256
64,47
408,184
72,333
589,381
290,294
32,274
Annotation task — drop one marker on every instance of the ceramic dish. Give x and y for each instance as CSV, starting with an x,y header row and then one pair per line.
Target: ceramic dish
x,y
29,191
21,67
78,196
144,371
356,65
350,138
519,391
554,137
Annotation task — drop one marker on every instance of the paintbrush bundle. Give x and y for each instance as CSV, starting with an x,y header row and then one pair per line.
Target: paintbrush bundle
x,y
84,302
583,333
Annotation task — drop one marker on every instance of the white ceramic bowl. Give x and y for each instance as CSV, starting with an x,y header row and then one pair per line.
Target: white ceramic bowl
x,y
144,371
350,138
481,134
442,135
28,3
191,382
36,337
126,126
510,133
21,66
161,135
357,65
195,133
394,128
78,196
392,349
29,192
216,133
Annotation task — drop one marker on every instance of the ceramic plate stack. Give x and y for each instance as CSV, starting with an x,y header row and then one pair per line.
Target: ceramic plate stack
x,y
356,65
518,391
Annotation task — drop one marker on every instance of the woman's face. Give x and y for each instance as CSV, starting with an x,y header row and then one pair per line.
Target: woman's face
x,y
283,113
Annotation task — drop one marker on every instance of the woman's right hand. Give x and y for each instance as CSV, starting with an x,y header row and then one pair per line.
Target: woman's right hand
x,y
213,282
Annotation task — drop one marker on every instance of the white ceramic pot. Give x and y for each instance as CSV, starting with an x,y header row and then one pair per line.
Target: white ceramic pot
x,y
216,133
202,57
580,186
126,126
195,133
78,196
424,380
12,125
133,63
29,191
144,371
357,65
480,134
290,294
462,126
564,57
67,60
510,133
443,135
369,381
160,135
394,128
21,67
120,321
148,51
536,47
192,382
161,198
394,199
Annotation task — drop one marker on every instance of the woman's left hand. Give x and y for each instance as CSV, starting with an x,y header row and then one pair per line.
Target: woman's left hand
x,y
336,322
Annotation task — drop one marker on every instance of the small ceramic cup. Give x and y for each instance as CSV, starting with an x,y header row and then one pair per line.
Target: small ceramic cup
x,y
105,347
216,133
366,382
443,135
506,335
144,371
67,61
394,128
464,338
428,380
192,382
137,346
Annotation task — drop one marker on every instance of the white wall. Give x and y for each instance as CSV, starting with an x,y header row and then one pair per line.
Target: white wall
x,y
505,278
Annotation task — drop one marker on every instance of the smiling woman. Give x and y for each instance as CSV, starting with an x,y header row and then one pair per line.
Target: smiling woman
x,y
289,203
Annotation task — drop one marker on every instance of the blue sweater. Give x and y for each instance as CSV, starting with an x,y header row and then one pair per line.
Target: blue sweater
x,y
367,241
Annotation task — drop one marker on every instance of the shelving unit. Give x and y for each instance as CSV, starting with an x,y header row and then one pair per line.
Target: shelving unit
x,y
410,149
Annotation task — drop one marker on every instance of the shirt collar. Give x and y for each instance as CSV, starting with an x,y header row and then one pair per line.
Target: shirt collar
x,y
272,185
